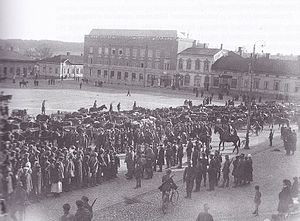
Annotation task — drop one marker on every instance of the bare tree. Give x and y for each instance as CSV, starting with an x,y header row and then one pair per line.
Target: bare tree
x,y
44,52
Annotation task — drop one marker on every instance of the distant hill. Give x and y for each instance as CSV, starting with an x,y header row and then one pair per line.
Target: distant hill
x,y
29,47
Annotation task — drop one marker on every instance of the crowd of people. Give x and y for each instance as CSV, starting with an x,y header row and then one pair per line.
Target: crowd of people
x,y
70,151
289,138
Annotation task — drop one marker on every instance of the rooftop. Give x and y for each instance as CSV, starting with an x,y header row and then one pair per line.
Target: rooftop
x,y
74,59
134,33
236,63
200,51
13,56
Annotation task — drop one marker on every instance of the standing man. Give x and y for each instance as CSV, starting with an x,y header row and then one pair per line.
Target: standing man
x,y
82,214
161,158
188,178
226,171
205,216
180,155
271,137
128,93
119,107
43,107
212,174
257,200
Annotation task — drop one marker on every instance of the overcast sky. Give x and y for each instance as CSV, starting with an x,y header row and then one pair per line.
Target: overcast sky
x,y
275,23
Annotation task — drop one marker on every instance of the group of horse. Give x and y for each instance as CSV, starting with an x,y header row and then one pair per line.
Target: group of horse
x,y
78,127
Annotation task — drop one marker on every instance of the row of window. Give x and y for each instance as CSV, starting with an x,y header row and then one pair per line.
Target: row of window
x,y
128,52
130,63
197,64
118,75
16,70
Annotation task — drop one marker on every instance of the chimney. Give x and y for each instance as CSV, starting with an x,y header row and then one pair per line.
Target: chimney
x,y
240,51
268,55
221,46
68,53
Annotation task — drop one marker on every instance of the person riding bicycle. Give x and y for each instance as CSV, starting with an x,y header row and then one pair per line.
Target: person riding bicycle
x,y
167,183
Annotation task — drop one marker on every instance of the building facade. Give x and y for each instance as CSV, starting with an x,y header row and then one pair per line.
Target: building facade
x,y
194,67
15,65
66,66
132,57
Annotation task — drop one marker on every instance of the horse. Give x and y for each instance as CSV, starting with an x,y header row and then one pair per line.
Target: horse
x,y
23,83
102,107
226,137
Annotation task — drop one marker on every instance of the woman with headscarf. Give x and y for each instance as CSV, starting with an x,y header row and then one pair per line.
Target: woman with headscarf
x,y
56,179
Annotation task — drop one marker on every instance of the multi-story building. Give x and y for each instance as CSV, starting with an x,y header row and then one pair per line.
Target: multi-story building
x,y
15,65
194,66
61,66
280,78
132,57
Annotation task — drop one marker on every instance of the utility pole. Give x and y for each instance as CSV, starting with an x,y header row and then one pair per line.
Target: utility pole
x,y
250,71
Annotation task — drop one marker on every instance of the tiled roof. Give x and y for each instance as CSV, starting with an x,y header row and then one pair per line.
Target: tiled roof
x,y
13,56
236,63
135,32
200,51
74,59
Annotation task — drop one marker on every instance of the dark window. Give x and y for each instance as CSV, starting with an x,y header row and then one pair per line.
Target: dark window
x,y
142,65
180,64
90,72
197,64
56,70
99,73
233,83
119,76
112,74
133,76
126,75
189,64
5,70
105,73
141,77
18,71
216,81
206,65
187,79
11,70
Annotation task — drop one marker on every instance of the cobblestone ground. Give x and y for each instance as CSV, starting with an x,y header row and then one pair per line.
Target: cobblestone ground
x,y
270,168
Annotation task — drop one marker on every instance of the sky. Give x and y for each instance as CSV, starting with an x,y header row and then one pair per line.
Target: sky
x,y
233,23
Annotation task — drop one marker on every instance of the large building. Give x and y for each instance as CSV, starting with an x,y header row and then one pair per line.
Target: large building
x,y
132,57
66,66
280,78
15,65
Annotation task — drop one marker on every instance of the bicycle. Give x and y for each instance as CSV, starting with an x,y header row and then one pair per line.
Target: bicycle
x,y
169,197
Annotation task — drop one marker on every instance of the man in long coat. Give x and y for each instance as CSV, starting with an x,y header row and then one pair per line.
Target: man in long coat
x,y
188,178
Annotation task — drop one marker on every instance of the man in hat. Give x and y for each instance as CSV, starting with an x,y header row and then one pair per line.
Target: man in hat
x,y
188,178
212,173
86,204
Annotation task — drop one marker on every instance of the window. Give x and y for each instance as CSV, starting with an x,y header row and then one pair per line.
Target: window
x,y
113,51
197,81
276,86
120,51
91,60
256,83
50,70
126,76
105,73
149,64
206,65
100,50
216,81
180,64
5,70
150,53
197,64
67,71
119,75
128,63
233,83
133,76
127,52
189,64
112,74
18,71
286,87
157,53
142,64
142,53
141,77
134,52
167,66
246,83
157,65
56,70
99,73
11,70
77,70
106,51
167,54
44,69
91,50
187,79
90,72
266,83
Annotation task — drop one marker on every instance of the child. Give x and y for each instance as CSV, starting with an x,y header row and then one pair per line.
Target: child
x,y
67,216
257,200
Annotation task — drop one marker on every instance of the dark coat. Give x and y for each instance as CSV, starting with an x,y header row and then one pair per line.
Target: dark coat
x,y
285,200
160,158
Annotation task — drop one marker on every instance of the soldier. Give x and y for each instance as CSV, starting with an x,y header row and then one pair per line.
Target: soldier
x,y
161,158
86,204
226,171
212,173
188,178
199,171
204,163
180,155
189,150
82,214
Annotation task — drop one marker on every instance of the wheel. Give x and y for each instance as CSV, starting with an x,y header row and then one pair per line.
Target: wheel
x,y
174,197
